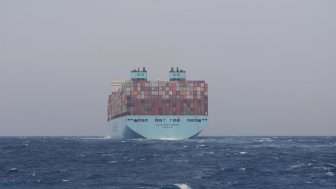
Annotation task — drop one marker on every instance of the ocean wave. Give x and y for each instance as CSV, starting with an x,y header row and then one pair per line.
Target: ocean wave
x,y
330,174
93,138
183,186
297,166
265,140
107,137
93,162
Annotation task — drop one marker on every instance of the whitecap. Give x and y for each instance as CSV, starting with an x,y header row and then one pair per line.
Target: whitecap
x,y
243,169
232,183
65,180
139,139
314,161
265,140
183,186
13,170
296,166
243,153
321,168
309,164
330,174
185,146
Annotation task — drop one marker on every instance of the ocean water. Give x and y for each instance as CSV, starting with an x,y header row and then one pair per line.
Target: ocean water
x,y
206,162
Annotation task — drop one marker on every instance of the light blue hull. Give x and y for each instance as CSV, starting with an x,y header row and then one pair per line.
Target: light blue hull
x,y
157,127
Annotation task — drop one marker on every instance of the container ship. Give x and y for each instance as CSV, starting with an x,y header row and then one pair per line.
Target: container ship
x,y
174,109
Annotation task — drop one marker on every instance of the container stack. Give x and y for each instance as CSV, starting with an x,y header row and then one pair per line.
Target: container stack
x,y
116,105
144,97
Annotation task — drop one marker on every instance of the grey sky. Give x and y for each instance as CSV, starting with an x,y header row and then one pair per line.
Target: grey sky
x,y
270,65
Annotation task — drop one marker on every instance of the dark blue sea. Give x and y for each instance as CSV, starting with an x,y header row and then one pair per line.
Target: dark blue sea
x,y
208,162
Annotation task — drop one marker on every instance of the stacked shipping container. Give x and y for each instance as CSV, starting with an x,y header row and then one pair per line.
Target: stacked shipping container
x,y
159,98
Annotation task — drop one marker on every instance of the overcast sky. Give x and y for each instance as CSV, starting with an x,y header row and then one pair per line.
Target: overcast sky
x,y
270,65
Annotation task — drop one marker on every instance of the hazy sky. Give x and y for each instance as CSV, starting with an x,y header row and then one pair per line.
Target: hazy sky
x,y
270,65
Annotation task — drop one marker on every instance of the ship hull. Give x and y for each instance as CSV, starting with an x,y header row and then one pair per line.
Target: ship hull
x,y
157,127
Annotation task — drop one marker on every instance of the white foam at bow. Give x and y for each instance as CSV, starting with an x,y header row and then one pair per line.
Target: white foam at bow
x,y
107,137
169,139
